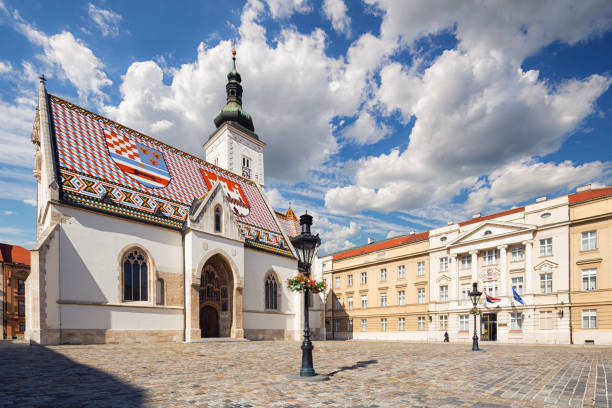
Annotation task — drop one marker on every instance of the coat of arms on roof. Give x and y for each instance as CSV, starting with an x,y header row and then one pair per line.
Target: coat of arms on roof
x,y
142,163
234,194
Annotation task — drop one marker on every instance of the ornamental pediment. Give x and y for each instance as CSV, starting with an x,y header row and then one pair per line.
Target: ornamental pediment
x,y
492,229
443,279
489,274
546,265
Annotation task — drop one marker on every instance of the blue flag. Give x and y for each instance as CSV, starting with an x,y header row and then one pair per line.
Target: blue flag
x,y
517,297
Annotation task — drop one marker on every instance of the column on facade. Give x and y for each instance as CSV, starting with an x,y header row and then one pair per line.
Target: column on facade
x,y
528,266
474,265
503,266
454,277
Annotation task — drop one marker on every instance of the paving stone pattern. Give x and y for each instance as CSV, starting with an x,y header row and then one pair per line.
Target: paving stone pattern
x,y
253,374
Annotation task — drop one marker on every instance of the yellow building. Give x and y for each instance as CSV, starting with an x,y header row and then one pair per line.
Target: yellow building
x,y
590,267
380,290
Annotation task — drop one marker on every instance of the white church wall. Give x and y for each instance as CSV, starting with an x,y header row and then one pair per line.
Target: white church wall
x,y
119,317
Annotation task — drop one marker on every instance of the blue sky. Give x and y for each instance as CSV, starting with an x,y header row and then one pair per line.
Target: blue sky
x,y
379,116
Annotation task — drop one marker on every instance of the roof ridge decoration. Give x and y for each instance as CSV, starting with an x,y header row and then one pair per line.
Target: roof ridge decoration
x,y
108,167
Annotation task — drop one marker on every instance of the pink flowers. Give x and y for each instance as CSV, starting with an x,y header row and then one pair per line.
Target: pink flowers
x,y
300,282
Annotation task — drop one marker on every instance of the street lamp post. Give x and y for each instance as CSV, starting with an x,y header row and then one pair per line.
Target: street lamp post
x,y
305,245
475,296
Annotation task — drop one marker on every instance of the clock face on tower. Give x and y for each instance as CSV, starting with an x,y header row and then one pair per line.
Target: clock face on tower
x,y
246,172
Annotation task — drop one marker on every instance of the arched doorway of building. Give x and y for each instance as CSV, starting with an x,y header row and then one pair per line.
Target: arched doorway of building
x,y
216,298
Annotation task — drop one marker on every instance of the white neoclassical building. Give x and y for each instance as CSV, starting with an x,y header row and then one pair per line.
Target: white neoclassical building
x,y
525,249
139,241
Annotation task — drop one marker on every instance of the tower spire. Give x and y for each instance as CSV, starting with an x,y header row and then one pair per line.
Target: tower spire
x,y
232,111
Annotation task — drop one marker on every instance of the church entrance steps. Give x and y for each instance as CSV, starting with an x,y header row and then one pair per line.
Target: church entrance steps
x,y
219,340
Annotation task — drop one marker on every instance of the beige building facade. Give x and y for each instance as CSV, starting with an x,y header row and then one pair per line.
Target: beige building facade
x,y
590,268
553,254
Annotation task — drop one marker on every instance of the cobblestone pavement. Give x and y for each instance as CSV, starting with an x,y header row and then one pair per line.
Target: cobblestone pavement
x,y
253,374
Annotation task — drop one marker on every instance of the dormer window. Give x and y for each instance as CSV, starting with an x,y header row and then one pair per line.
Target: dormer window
x,y
488,232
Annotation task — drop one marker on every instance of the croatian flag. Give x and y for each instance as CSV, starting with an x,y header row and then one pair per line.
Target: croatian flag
x,y
517,297
491,299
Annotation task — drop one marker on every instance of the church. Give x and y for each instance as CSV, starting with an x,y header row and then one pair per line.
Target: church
x,y
138,241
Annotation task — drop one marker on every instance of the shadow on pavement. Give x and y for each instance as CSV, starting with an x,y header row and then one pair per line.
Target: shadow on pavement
x,y
35,376
359,364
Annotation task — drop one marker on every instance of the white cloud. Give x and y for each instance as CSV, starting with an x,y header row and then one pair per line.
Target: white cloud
x,y
106,20
31,202
334,236
275,198
393,233
335,11
8,212
69,57
285,8
366,129
17,191
16,121
5,67
522,180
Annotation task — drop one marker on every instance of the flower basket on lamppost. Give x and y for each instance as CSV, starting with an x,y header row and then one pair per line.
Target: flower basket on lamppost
x,y
475,296
305,245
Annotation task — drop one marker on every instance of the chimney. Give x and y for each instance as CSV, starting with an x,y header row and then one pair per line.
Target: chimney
x,y
411,232
586,187
540,199
370,240
477,215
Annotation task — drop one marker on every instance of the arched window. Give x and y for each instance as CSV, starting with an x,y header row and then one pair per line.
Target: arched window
x,y
135,276
218,219
271,288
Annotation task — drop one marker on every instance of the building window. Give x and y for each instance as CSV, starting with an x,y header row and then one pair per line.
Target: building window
x,y
350,325
517,285
401,323
383,275
349,280
546,282
421,296
271,288
589,240
349,303
337,325
516,321
218,219
364,325
444,293
466,261
490,288
464,322
364,278
401,297
443,322
490,257
401,272
364,302
589,319
444,264
135,276
21,308
421,323
546,320
20,287
160,292
383,324
546,247
420,268
246,167
383,299
465,291
488,232
589,279
338,282
22,327
517,253
338,304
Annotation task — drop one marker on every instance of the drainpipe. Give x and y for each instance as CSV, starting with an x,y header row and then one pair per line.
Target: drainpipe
x,y
569,277
184,288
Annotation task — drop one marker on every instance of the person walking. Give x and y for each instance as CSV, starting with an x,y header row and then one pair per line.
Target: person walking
x,y
446,340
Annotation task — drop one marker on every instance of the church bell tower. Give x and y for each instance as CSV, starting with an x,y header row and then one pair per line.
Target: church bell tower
x,y
235,146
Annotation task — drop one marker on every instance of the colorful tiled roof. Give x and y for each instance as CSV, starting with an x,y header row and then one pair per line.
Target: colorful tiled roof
x,y
111,168
14,254
289,222
589,195
378,246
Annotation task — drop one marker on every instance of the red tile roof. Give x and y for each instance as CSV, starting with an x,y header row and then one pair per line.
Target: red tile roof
x,y
377,246
491,216
589,195
14,254
289,222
